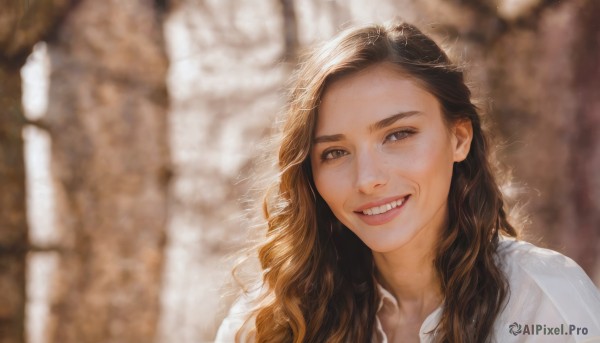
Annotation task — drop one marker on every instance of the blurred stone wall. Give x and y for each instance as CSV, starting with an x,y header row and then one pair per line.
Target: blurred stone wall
x,y
106,118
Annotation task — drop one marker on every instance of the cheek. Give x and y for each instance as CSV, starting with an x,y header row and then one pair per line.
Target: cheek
x,y
428,164
435,168
330,185
434,160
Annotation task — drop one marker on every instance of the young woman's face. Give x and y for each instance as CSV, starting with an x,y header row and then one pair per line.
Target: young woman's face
x,y
383,155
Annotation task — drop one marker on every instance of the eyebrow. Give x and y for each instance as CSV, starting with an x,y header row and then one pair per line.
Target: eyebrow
x,y
382,124
373,127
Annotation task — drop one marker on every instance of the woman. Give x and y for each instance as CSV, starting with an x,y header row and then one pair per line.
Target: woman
x,y
387,225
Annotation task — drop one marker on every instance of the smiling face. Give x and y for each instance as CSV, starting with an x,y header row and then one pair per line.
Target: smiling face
x,y
383,155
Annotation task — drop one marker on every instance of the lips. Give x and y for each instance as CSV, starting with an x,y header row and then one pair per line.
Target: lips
x,y
375,210
383,211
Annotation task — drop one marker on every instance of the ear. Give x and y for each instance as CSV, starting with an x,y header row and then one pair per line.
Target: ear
x,y
462,136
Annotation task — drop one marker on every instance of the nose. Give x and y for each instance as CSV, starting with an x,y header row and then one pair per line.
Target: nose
x,y
371,171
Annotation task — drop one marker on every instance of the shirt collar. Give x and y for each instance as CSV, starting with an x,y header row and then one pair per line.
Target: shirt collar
x,y
386,298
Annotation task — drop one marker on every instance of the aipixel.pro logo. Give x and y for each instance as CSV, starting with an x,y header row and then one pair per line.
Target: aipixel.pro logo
x,y
515,328
546,330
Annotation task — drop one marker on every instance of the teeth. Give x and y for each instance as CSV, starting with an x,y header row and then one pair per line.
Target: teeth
x,y
384,208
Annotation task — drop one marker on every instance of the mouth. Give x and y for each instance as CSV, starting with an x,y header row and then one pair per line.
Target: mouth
x,y
381,209
376,214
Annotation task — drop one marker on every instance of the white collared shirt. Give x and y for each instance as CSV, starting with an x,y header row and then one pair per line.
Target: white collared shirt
x,y
551,300
388,308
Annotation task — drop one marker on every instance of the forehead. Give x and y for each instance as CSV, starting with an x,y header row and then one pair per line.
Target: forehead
x,y
373,94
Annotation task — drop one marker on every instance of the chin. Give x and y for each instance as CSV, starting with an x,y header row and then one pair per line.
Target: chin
x,y
384,245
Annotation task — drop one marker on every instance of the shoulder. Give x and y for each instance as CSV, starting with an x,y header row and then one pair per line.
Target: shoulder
x,y
239,317
519,256
547,288
523,261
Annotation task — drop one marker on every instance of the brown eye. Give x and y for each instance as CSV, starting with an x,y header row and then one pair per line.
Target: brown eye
x,y
333,154
399,135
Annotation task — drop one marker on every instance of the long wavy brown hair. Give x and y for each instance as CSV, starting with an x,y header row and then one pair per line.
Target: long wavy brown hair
x,y
318,277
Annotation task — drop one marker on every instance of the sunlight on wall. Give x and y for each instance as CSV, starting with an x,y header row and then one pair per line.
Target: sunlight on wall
x,y
41,266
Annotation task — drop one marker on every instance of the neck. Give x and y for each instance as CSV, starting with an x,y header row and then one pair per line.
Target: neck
x,y
409,273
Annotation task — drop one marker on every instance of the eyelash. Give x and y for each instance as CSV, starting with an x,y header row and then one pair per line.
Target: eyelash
x,y
326,153
404,133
